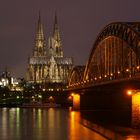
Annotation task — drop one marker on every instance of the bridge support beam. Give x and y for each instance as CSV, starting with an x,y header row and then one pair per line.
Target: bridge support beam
x,y
136,109
76,101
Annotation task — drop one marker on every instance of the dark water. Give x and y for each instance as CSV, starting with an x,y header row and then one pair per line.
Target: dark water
x,y
120,118
43,124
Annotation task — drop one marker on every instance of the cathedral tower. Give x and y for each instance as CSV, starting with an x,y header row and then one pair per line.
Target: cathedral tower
x,y
55,45
37,62
48,65
40,46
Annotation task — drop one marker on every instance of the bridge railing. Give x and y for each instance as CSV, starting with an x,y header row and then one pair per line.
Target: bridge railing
x,y
128,74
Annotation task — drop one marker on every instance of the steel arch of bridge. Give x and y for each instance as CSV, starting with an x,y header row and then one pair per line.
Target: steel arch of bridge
x,y
121,44
128,32
76,75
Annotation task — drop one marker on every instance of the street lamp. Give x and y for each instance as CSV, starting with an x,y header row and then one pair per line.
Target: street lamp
x,y
129,92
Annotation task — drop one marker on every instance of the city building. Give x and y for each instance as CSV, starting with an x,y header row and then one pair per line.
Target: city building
x,y
47,64
10,82
5,79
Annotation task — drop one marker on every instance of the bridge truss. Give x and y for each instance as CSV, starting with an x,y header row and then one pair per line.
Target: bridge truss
x,y
115,55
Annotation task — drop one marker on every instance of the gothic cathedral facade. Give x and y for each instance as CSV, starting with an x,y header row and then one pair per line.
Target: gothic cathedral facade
x,y
48,64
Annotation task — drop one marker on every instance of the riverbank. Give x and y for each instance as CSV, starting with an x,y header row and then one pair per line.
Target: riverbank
x,y
113,132
108,126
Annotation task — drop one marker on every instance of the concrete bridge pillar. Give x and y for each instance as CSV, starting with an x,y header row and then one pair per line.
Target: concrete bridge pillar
x,y
136,109
76,101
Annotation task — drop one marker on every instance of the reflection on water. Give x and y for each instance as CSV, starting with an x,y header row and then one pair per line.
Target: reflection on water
x,y
133,137
130,138
43,124
85,134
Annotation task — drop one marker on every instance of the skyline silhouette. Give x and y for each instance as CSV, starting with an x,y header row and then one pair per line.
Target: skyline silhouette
x,y
79,22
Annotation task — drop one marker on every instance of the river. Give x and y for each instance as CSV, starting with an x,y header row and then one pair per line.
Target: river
x,y
43,124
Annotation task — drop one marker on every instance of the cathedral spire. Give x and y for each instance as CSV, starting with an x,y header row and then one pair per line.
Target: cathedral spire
x,y
55,45
56,33
40,46
39,34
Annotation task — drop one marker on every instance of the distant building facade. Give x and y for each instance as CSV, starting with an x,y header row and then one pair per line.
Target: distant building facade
x,y
12,83
48,64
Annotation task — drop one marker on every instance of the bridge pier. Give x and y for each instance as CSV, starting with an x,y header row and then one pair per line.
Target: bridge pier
x,y
136,109
76,101
107,103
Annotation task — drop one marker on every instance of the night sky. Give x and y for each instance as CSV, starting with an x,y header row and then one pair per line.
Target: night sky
x,y
80,21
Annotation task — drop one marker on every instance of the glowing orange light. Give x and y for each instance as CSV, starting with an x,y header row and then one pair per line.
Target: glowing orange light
x,y
72,94
76,101
127,70
136,109
138,67
51,98
95,78
129,92
130,138
118,72
70,97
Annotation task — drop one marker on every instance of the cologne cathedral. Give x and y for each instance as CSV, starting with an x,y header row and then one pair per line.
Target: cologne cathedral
x,y
47,63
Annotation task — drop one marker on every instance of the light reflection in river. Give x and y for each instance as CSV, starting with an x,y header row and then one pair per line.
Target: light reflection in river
x,y
133,137
43,124
17,122
85,134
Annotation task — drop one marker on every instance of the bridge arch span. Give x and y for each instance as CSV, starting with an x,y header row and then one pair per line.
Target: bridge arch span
x,y
115,53
76,75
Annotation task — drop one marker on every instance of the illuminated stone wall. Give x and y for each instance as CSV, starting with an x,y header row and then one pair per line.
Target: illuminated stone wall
x,y
136,110
48,64
76,102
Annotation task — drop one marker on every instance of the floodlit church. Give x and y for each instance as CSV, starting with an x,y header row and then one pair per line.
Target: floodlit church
x,y
47,63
